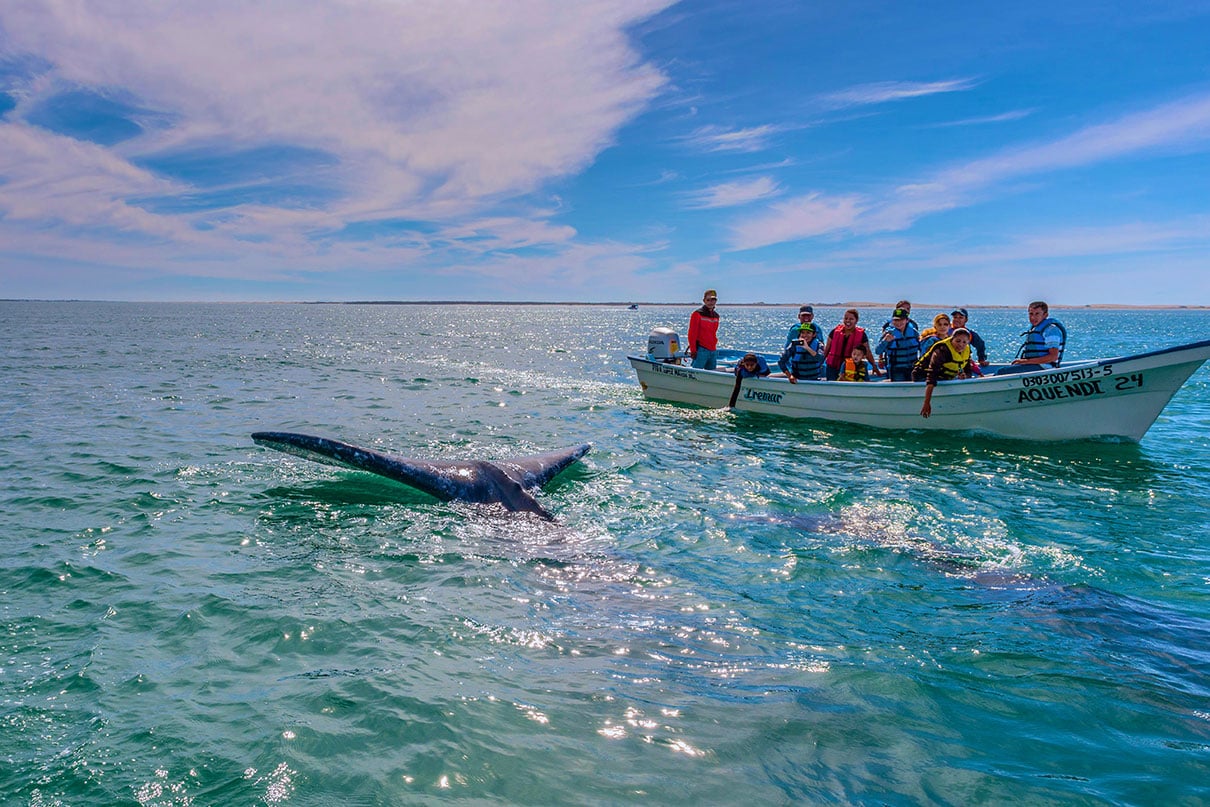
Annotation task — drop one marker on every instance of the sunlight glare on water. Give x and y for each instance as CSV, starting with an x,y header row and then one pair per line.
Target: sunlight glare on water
x,y
728,608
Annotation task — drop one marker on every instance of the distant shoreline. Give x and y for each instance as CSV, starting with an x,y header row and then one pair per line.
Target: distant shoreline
x,y
857,304
626,304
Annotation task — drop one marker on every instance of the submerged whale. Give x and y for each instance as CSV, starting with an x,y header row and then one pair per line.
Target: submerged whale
x,y
509,482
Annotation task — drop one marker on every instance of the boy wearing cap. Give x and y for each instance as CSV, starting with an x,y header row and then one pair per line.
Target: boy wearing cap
x,y
906,307
959,318
899,346
803,358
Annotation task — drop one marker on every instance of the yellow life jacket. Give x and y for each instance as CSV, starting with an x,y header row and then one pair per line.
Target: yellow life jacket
x,y
956,364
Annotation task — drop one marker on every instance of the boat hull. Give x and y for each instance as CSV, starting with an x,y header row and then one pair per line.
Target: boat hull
x,y
1107,399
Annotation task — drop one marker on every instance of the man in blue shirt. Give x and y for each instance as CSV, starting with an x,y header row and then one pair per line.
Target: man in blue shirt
x,y
806,314
1044,344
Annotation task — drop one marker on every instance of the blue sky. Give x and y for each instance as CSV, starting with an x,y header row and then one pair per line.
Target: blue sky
x,y
965,152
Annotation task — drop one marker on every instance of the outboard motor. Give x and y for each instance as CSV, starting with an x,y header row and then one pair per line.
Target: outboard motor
x,y
664,345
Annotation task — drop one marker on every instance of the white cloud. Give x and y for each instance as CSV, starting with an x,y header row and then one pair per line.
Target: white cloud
x,y
1003,117
501,232
1173,125
795,219
49,179
734,194
428,110
719,138
881,92
1060,263
1122,238
1179,124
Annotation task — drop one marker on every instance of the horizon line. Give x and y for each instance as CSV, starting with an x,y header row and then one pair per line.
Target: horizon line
x,y
624,303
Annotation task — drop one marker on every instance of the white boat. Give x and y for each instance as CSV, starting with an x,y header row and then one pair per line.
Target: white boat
x,y
1106,398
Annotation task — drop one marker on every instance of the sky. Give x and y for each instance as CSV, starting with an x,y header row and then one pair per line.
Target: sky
x,y
977,153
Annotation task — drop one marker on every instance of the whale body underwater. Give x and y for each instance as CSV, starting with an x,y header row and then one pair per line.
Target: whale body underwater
x,y
508,482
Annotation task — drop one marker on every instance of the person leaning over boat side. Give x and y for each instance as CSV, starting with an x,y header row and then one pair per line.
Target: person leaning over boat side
x,y
857,367
841,342
752,366
1044,343
933,335
899,347
703,333
803,358
958,319
805,314
948,359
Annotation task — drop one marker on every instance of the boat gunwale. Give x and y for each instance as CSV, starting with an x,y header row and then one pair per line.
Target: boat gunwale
x,y
868,388
700,387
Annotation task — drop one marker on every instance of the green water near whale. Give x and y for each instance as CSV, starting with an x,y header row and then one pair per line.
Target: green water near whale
x,y
730,608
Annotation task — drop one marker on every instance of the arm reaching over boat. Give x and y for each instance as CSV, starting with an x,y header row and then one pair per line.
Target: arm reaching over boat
x,y
948,359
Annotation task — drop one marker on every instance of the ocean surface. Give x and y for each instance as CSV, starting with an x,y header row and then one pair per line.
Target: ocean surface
x,y
729,609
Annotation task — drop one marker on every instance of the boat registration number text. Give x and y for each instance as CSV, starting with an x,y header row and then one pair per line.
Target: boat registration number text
x,y
1063,376
673,369
1058,386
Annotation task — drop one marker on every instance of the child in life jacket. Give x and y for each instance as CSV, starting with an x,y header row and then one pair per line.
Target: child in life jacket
x,y
857,367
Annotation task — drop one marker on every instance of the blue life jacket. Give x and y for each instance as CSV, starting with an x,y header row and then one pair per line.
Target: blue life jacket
x,y
902,351
1035,341
796,361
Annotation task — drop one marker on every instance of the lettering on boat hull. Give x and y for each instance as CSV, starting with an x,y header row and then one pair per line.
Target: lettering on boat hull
x,y
762,396
1032,393
674,369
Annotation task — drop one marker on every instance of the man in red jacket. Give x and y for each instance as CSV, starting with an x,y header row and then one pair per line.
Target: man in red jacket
x,y
703,332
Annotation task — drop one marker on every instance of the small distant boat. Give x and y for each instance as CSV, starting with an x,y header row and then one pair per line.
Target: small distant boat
x,y
1100,399
632,307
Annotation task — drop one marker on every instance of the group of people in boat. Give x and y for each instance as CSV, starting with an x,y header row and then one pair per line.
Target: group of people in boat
x,y
946,350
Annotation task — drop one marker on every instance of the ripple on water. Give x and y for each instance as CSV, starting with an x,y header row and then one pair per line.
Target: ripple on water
x,y
730,609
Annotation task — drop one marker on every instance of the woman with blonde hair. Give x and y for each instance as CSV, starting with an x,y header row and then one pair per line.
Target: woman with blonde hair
x,y
933,335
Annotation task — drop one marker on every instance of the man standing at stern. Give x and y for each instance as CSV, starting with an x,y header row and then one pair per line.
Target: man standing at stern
x,y
703,333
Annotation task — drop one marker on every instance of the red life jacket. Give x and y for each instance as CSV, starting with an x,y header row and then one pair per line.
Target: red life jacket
x,y
703,330
841,348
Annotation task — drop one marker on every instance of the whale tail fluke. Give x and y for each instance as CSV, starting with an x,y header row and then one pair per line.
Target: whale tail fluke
x,y
509,482
536,470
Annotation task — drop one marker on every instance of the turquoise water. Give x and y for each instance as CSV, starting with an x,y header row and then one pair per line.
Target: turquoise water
x,y
730,609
